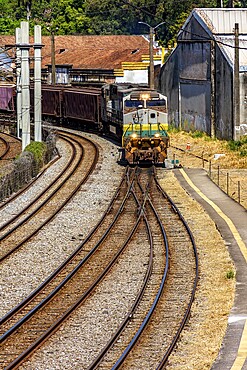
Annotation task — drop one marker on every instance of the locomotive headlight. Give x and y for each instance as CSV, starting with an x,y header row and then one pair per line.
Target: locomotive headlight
x,y
157,135
144,96
134,135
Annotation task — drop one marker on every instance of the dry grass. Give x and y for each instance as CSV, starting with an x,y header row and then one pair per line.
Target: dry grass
x,y
229,171
202,337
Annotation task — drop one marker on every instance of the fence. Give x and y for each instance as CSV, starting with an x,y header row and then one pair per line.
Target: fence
x,y
22,170
232,182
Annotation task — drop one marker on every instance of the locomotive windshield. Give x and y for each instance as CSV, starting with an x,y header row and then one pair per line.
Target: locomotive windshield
x,y
156,103
133,103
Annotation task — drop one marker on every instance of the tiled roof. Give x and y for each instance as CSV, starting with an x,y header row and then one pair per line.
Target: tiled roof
x,y
91,52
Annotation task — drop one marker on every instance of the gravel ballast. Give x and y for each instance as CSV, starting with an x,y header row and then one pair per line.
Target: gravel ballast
x,y
50,247
24,271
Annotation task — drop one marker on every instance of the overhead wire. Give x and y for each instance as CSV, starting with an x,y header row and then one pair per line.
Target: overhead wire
x,y
184,30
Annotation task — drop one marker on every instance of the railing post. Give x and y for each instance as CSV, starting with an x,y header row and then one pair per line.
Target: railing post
x,y
218,175
227,183
239,192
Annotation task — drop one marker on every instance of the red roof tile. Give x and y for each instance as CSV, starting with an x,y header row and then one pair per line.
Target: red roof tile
x,y
91,52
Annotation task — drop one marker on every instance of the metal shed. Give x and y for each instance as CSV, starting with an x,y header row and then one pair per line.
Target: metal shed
x,y
205,77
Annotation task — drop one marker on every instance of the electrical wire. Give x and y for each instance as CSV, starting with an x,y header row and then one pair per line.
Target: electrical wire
x,y
184,30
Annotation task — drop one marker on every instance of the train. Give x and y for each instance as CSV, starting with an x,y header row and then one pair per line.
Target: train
x,y
135,116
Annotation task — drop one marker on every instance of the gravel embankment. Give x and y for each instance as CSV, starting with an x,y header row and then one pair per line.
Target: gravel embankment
x,y
56,241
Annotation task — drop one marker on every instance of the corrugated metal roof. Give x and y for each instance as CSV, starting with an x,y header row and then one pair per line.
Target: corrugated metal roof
x,y
222,20
227,44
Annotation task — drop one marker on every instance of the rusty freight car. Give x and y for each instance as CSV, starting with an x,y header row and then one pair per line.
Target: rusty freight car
x,y
82,105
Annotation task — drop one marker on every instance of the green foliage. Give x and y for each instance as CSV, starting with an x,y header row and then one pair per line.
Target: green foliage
x,y
196,134
173,129
239,145
38,149
230,274
101,16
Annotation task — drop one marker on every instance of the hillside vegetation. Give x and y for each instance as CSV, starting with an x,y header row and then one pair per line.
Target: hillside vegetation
x,y
67,17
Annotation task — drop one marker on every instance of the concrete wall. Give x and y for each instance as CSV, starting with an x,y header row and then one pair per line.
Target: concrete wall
x,y
134,76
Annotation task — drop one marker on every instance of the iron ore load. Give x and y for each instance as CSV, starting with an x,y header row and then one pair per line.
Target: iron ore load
x,y
135,116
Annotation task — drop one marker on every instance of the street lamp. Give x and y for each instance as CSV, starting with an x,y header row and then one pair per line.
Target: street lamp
x,y
53,62
151,53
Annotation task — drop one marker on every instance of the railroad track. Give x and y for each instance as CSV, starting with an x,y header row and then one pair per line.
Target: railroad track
x,y
51,303
10,146
149,333
139,211
4,145
21,227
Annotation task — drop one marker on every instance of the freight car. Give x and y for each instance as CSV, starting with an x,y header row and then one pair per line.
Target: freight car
x,y
52,103
82,105
7,93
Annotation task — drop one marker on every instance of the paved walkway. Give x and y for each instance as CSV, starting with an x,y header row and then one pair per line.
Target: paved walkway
x,y
231,221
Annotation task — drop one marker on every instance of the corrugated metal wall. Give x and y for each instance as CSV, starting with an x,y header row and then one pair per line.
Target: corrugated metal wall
x,y
198,81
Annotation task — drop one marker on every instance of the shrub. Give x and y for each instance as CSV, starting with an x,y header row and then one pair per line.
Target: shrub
x,y
173,129
230,274
239,145
196,134
38,149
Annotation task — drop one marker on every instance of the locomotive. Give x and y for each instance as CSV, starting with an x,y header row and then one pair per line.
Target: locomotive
x,y
139,116
135,116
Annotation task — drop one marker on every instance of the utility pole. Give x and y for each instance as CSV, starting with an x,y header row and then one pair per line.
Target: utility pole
x,y
151,57
25,95
18,82
236,92
151,51
220,4
53,63
37,83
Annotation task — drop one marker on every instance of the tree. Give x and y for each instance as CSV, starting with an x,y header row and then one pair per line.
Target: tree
x,y
102,16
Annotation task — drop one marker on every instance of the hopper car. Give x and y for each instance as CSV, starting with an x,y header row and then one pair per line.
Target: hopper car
x,y
7,98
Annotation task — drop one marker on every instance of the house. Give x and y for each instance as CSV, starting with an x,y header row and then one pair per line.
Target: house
x,y
94,59
205,84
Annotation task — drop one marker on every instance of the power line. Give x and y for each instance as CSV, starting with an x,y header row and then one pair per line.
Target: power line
x,y
215,36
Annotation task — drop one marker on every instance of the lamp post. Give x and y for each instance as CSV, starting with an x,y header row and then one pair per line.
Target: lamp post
x,y
53,62
151,53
